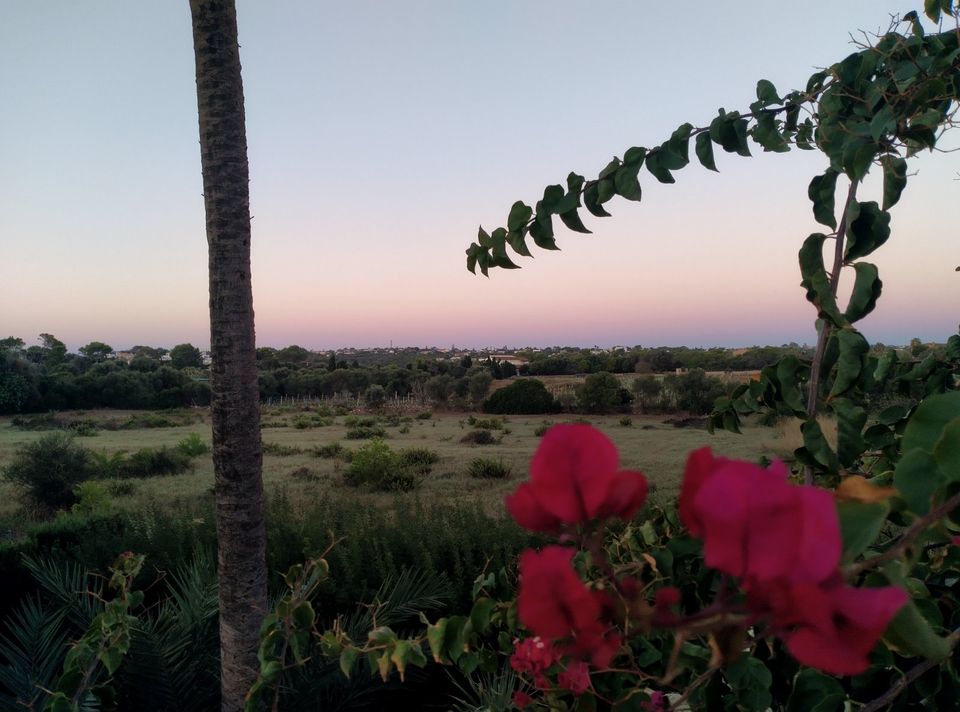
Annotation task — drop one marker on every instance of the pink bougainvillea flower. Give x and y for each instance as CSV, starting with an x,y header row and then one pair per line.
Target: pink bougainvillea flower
x,y
533,657
575,678
521,700
575,476
755,524
828,625
658,702
556,605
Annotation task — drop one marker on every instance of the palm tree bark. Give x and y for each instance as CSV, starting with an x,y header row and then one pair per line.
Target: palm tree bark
x,y
235,402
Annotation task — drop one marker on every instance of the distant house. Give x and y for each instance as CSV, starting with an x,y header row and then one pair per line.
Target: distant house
x,y
125,356
511,359
205,358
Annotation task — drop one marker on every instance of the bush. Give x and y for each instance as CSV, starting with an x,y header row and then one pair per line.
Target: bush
x,y
193,446
359,421
332,451
601,393
92,497
486,469
376,466
311,420
279,450
153,462
50,469
525,396
626,421
486,423
479,437
375,396
121,488
425,415
363,432
419,459
542,430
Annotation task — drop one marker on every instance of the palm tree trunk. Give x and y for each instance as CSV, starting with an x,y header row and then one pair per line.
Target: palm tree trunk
x,y
235,403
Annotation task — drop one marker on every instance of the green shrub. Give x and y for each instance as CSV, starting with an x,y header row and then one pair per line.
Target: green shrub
x,y
92,497
626,421
50,469
391,421
193,446
479,437
542,430
376,466
524,396
281,450
484,468
153,462
121,488
332,451
404,430
362,432
419,459
486,423
425,415
310,420
359,421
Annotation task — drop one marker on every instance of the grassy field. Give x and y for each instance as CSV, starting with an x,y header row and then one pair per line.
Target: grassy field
x,y
648,444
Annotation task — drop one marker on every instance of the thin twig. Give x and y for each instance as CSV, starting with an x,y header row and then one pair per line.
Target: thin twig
x,y
814,394
908,538
912,674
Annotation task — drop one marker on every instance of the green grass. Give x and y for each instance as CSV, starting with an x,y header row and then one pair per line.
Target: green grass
x,y
658,450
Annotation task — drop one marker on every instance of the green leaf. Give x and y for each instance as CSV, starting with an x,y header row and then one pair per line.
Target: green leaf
x,y
480,614
436,634
885,364
867,287
917,478
947,451
520,215
815,279
704,148
605,190
815,692
111,658
789,368
348,658
304,615
751,681
853,351
626,182
767,92
931,9
929,420
860,523
868,227
542,233
894,180
675,152
572,220
850,421
591,199
817,447
910,633
610,169
821,192
656,168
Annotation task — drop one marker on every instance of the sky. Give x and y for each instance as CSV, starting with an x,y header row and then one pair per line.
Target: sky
x,y
381,134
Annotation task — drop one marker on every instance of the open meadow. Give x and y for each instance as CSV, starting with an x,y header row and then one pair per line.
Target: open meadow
x,y
302,457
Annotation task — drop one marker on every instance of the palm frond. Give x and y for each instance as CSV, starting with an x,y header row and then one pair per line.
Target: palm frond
x,y
32,649
69,587
483,692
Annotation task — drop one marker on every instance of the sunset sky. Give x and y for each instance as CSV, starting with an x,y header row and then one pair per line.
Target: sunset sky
x,y
381,134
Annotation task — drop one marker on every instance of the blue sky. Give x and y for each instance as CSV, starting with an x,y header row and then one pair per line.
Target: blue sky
x,y
382,134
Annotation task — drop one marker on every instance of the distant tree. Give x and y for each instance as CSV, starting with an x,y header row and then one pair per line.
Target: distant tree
x,y
696,391
507,369
96,351
646,389
332,361
150,352
186,356
53,351
438,389
293,355
12,343
466,362
375,396
479,386
599,393
527,396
